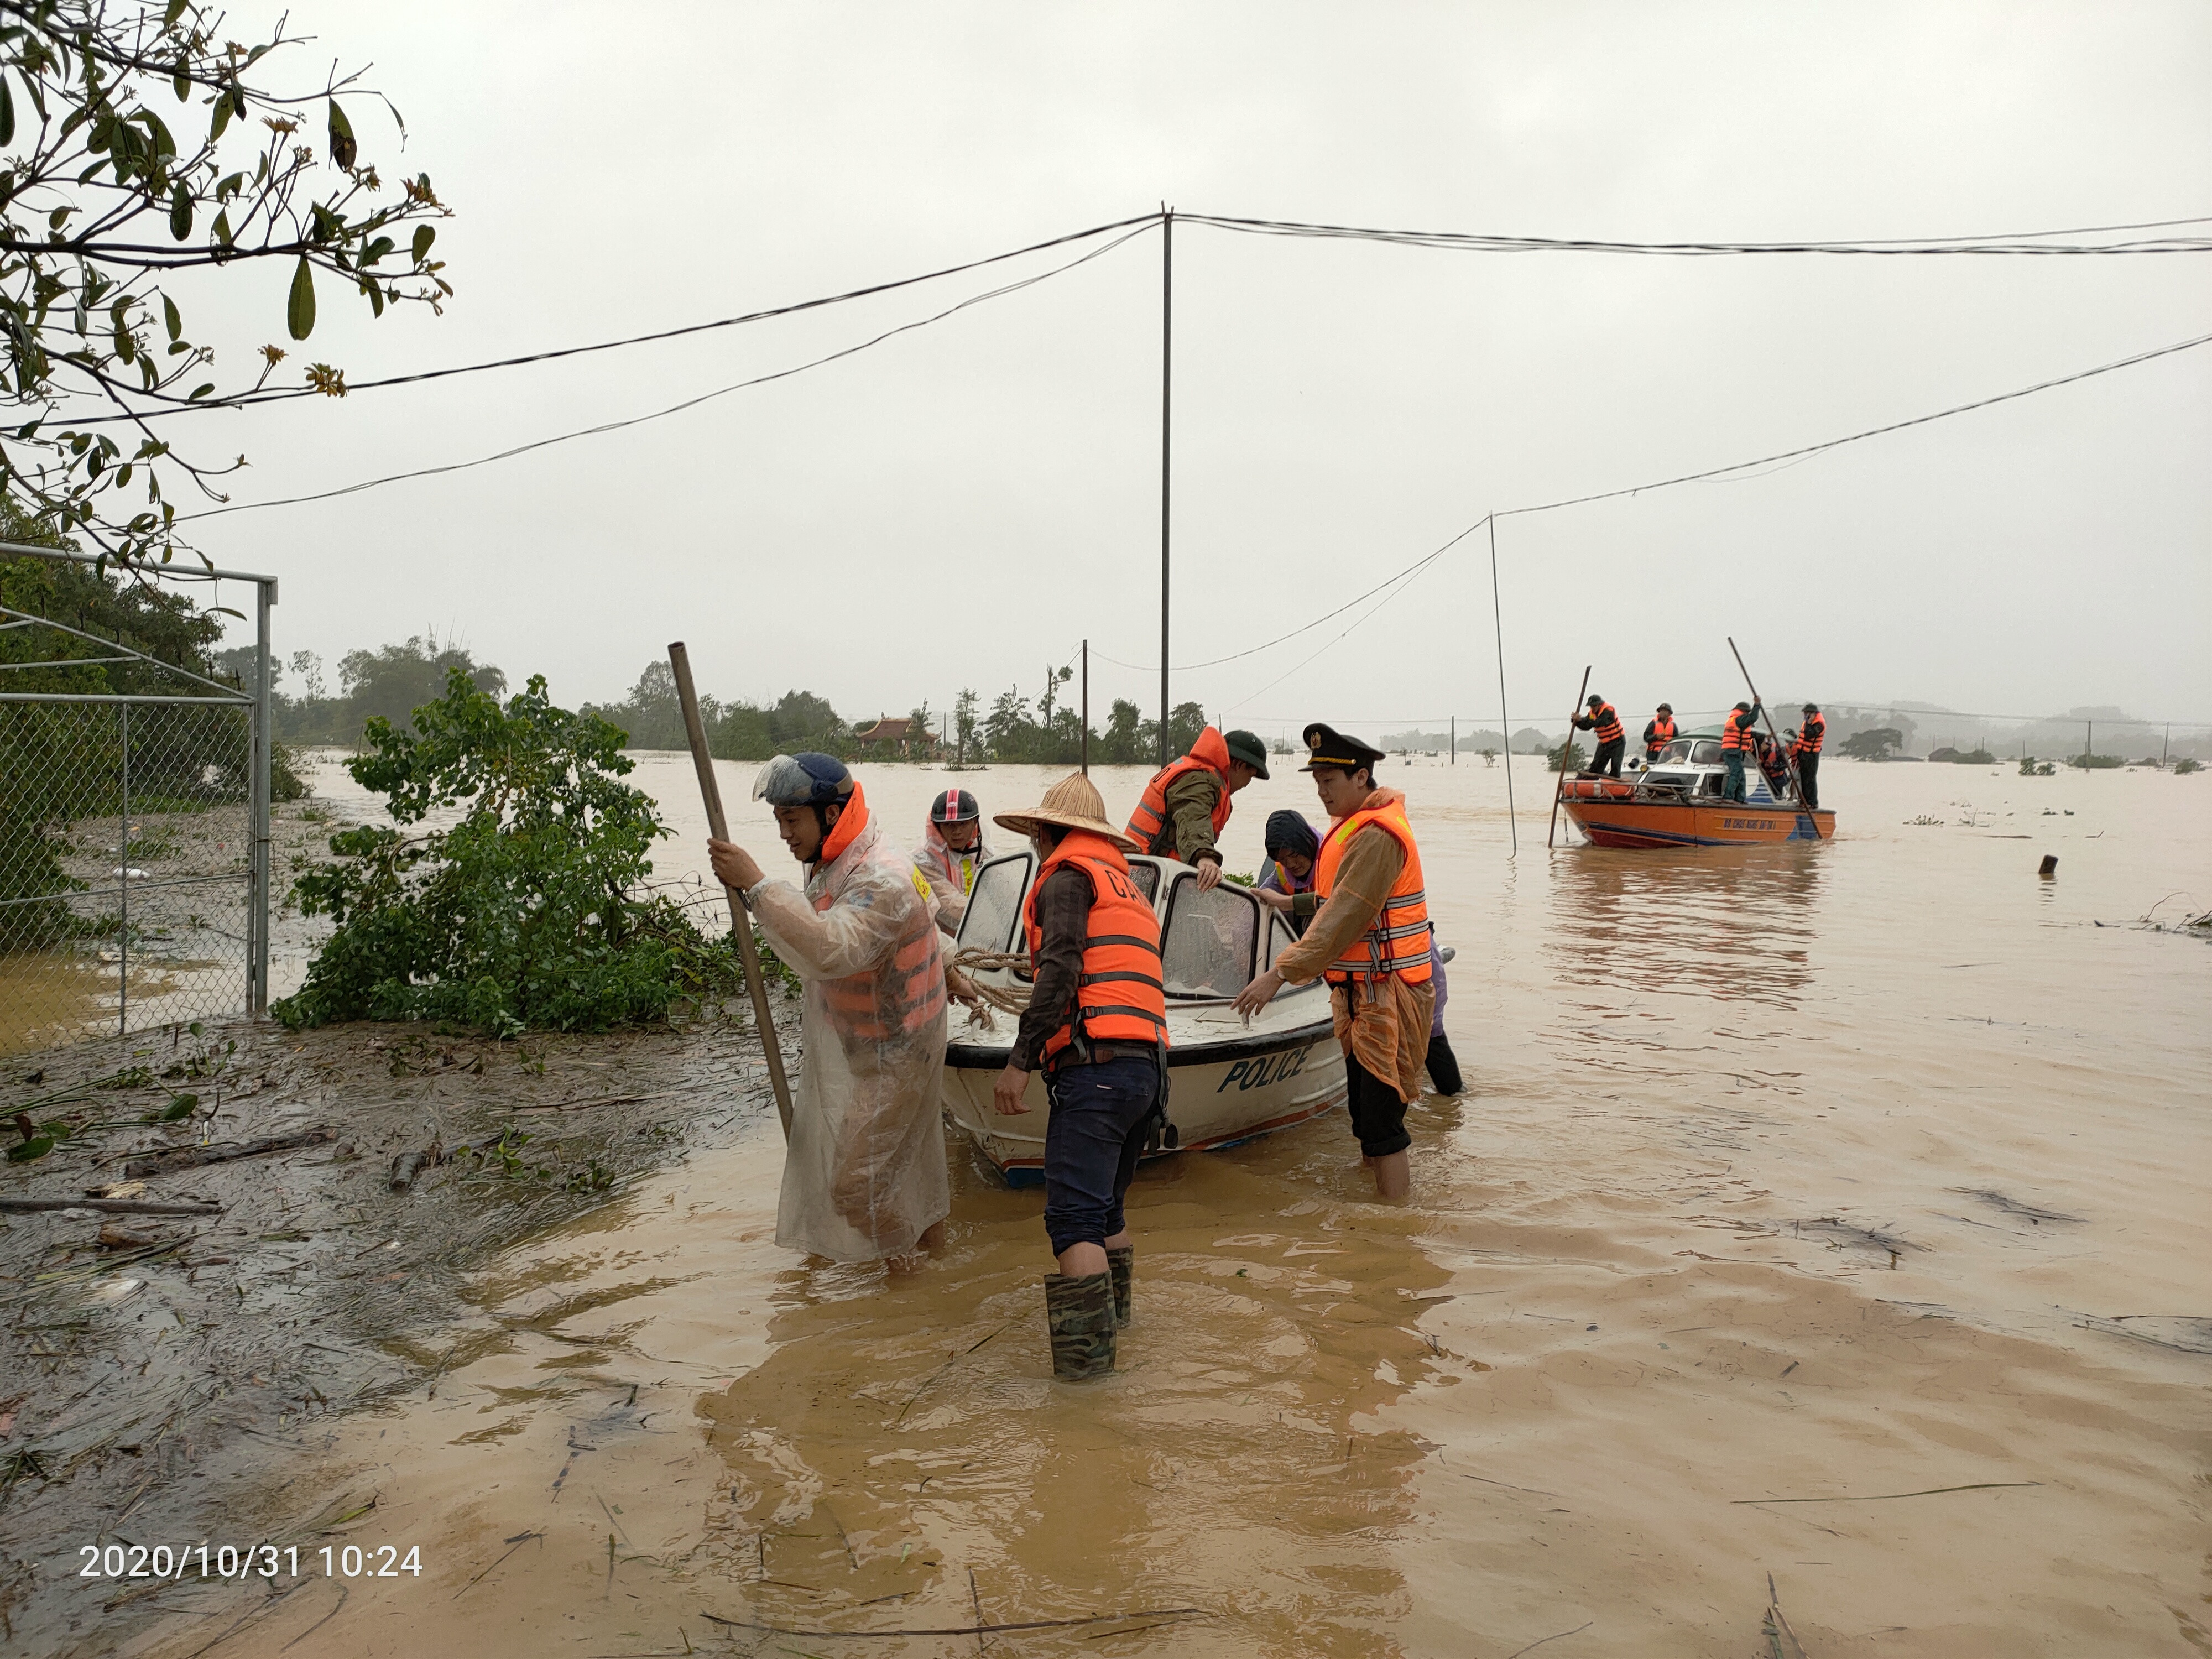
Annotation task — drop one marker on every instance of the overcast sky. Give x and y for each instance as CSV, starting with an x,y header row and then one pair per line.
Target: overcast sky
x,y
960,505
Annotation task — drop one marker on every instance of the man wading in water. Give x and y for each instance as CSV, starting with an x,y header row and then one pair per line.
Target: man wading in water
x,y
864,1177
1370,941
1098,1021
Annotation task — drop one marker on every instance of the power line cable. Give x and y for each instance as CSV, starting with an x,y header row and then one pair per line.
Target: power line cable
x,y
2018,244
673,409
1710,473
286,394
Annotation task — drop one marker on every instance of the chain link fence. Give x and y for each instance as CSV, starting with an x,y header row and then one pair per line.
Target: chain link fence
x,y
133,851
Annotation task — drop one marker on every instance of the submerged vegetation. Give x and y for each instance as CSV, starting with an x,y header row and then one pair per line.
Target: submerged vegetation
x,y
531,910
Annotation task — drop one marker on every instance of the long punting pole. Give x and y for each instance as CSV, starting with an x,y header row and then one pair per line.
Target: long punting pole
x,y
741,927
1796,782
1499,622
1167,374
1560,787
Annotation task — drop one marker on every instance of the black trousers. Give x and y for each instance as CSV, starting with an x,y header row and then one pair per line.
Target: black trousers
x,y
1809,778
1378,1116
1608,755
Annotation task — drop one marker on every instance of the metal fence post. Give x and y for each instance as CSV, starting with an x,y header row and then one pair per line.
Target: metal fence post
x,y
123,876
257,985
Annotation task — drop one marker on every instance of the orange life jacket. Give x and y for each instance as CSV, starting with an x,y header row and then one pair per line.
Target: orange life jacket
x,y
1607,724
1663,731
1737,730
1149,825
1119,998
1397,940
1810,736
898,997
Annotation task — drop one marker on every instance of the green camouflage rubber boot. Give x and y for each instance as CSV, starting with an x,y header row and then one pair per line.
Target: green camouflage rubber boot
x,y
1080,1312
1121,1262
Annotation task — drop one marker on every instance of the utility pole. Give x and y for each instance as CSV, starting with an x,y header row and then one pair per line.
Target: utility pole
x,y
1086,708
1455,740
1167,371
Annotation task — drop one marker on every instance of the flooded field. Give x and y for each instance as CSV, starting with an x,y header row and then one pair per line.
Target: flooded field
x,y
1823,1223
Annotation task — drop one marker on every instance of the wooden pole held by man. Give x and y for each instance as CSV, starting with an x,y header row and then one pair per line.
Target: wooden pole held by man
x,y
741,927
1795,782
1566,752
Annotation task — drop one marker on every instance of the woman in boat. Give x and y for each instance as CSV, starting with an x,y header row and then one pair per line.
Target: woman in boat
x,y
1288,885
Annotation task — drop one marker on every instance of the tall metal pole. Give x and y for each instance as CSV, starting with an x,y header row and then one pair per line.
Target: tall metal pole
x,y
1086,708
257,990
1167,372
741,927
1455,740
1498,623
123,903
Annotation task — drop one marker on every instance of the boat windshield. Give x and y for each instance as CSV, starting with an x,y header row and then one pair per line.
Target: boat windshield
x,y
1207,945
995,907
1147,877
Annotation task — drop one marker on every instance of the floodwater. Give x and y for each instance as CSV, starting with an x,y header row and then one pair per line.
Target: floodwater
x,y
1829,1216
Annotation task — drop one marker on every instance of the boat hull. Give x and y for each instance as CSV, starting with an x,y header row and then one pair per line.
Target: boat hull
x,y
1222,1091
1635,824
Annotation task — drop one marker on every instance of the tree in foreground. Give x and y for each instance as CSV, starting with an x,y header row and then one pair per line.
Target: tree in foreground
x,y
529,911
138,143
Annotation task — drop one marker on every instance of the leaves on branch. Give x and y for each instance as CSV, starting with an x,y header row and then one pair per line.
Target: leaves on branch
x,y
94,176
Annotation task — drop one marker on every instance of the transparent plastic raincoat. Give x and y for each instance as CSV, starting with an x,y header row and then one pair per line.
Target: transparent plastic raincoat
x,y
864,1172
951,875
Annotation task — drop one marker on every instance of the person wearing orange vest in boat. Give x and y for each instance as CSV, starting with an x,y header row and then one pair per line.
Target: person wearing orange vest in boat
x,y
1185,807
950,851
864,1175
1805,748
1096,1022
1737,731
1604,727
1658,733
1370,941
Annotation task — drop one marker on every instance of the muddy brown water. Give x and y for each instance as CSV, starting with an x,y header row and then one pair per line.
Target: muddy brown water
x,y
1829,1216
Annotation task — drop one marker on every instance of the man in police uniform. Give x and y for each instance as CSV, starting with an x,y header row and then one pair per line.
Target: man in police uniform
x,y
1805,748
1604,723
1371,940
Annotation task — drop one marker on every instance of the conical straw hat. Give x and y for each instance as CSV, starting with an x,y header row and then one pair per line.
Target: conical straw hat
x,y
1073,803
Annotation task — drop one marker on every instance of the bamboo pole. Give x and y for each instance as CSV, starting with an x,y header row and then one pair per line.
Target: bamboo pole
x,y
1560,787
1790,759
741,927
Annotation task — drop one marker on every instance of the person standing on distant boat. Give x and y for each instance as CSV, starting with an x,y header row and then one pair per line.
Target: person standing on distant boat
x,y
864,1177
950,851
1185,807
1096,1022
1370,941
1805,750
1658,733
1737,735
1605,728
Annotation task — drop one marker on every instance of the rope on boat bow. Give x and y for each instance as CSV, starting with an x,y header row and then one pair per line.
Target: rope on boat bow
x,y
1006,999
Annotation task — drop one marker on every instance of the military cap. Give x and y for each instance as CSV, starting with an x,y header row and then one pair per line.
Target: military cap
x,y
1244,746
1330,747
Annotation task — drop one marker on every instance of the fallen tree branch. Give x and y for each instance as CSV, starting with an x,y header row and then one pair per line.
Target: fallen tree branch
x,y
964,1630
191,1157
110,1206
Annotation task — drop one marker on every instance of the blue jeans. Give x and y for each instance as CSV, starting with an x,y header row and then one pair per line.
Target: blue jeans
x,y
1100,1114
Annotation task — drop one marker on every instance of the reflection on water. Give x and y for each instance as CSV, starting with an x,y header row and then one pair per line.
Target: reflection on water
x,y
891,1442
1733,923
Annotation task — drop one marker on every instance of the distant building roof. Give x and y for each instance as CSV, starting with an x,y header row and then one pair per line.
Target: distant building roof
x,y
885,731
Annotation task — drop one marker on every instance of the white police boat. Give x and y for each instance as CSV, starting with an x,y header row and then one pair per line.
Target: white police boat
x,y
1229,1080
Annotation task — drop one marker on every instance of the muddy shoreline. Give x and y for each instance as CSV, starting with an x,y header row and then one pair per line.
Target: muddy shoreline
x,y
155,1362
